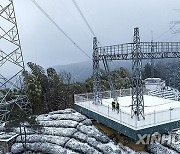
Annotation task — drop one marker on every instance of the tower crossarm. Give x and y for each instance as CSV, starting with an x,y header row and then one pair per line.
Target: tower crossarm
x,y
124,51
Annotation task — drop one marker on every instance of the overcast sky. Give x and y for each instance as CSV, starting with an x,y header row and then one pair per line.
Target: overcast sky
x,y
111,20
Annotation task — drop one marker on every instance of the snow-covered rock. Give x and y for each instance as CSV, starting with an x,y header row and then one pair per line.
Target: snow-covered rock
x,y
59,140
75,116
69,132
64,132
62,123
93,132
157,148
81,147
4,135
175,147
39,147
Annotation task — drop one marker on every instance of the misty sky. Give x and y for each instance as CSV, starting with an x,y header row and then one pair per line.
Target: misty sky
x,y
111,20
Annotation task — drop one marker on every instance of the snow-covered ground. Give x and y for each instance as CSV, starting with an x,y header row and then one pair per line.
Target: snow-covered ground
x,y
151,103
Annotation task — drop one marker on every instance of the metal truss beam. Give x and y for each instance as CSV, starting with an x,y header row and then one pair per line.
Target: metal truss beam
x,y
124,51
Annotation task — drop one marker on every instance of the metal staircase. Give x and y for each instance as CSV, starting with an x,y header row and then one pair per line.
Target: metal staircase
x,y
167,93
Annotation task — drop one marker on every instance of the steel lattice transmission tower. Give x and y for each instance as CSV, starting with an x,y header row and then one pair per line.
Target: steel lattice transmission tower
x,y
11,61
96,74
137,85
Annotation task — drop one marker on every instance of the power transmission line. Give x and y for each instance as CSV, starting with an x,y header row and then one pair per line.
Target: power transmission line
x,y
171,37
85,20
72,16
59,28
83,17
170,29
88,25
162,34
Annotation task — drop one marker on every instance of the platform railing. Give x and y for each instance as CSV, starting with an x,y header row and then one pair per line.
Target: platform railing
x,y
104,95
107,111
151,119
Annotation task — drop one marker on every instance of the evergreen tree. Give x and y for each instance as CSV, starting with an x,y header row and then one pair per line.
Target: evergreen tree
x,y
33,91
39,73
147,71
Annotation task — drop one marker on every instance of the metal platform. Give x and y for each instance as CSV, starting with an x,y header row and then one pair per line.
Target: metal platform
x,y
161,115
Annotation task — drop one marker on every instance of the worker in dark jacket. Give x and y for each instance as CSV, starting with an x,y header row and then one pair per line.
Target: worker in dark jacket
x,y
117,107
113,105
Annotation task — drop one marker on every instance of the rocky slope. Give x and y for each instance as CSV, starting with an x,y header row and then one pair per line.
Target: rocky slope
x,y
69,132
66,132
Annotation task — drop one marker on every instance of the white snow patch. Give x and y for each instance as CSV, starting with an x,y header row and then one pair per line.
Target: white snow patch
x,y
57,123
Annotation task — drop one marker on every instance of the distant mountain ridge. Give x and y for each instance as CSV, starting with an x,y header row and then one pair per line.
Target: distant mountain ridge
x,y
81,71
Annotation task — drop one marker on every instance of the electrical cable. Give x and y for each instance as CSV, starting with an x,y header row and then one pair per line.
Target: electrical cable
x,y
83,17
88,25
85,20
72,16
171,37
59,28
162,34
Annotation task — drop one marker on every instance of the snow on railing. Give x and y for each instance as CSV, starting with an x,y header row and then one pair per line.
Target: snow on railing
x,y
104,94
107,111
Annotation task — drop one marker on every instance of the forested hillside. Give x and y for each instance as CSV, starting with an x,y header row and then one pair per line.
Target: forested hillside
x,y
48,91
